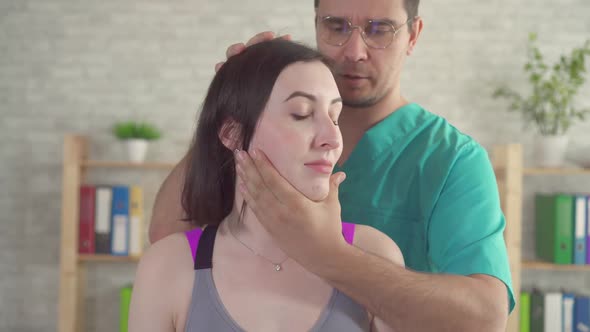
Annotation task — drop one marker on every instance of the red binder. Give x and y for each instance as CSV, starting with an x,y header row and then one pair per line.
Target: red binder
x,y
86,243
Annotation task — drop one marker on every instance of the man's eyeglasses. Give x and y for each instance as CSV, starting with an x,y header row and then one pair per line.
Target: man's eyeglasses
x,y
336,31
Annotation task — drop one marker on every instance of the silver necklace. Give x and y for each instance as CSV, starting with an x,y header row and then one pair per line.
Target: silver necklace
x,y
277,266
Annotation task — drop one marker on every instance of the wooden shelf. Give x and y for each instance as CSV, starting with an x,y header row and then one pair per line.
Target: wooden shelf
x,y
108,258
507,162
556,171
126,164
538,265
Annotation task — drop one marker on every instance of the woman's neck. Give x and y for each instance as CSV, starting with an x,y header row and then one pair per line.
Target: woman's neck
x,y
251,235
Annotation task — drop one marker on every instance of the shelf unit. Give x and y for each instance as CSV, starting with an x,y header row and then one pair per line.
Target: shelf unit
x,y
506,159
538,265
508,166
73,266
556,171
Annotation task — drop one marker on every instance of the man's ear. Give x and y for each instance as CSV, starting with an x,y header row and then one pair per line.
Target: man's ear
x,y
417,26
230,134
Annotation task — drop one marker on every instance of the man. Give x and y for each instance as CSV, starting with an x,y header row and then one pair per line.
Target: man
x,y
408,173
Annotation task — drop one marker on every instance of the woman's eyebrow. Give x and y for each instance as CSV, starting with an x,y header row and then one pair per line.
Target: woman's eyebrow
x,y
309,96
301,94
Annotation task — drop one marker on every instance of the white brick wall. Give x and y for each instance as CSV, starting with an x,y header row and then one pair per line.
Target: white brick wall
x,y
71,66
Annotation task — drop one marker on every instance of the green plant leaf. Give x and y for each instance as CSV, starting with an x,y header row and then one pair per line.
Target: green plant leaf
x,y
135,130
550,104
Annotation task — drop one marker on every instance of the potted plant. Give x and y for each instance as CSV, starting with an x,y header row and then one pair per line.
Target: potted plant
x,y
136,135
550,104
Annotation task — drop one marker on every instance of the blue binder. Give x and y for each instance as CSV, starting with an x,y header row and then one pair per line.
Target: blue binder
x,y
582,314
120,221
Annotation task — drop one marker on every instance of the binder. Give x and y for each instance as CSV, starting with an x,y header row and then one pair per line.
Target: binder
x,y
125,301
580,230
525,312
102,226
582,314
136,222
568,313
554,228
553,312
537,311
120,221
86,236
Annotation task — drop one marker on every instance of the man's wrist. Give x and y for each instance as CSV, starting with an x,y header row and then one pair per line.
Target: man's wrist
x,y
333,264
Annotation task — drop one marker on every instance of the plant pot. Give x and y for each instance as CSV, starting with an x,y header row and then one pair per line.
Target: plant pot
x,y
550,150
136,150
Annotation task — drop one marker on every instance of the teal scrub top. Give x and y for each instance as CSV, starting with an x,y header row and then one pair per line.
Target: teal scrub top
x,y
433,190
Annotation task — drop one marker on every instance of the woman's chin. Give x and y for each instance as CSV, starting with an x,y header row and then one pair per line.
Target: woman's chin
x,y
317,192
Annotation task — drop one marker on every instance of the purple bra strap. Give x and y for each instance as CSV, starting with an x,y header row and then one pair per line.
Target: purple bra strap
x,y
348,232
193,236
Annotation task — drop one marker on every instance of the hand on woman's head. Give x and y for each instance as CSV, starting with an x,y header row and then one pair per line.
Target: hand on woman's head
x,y
240,47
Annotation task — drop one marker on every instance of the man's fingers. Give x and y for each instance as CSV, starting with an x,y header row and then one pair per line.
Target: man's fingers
x,y
240,47
234,49
263,36
286,37
256,193
335,181
250,201
218,66
250,178
279,186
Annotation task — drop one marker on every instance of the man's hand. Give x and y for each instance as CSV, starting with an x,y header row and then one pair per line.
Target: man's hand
x,y
240,47
309,232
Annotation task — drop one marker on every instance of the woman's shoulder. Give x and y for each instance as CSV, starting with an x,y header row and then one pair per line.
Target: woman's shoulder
x,y
378,243
165,273
167,256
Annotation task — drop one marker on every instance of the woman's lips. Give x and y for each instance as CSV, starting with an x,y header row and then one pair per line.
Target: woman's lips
x,y
324,167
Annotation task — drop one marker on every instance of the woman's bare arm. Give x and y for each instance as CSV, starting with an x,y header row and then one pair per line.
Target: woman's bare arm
x,y
375,242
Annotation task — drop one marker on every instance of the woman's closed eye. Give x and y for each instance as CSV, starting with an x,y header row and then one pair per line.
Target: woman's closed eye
x,y
299,117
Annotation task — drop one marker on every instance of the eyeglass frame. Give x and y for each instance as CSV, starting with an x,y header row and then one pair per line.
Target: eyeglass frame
x,y
362,30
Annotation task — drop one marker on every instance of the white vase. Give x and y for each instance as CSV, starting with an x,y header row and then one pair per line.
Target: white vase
x,y
136,150
550,150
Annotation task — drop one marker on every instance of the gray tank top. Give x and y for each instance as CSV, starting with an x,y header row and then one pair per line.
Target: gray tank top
x,y
208,314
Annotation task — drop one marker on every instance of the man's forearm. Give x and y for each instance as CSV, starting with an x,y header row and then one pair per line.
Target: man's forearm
x,y
412,301
167,212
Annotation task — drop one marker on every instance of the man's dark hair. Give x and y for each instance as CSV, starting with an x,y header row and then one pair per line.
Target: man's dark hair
x,y
411,7
237,95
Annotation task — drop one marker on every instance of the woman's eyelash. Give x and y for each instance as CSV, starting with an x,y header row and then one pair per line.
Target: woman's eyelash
x,y
299,117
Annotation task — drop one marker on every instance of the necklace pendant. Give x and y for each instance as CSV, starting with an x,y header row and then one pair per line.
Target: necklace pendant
x,y
278,267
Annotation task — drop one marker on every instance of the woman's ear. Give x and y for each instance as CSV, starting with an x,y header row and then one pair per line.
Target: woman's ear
x,y
230,134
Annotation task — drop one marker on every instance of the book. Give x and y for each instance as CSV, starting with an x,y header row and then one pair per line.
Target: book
x,y
553,312
580,230
567,313
554,228
582,314
102,226
525,312
136,222
125,301
537,314
588,230
86,237
120,221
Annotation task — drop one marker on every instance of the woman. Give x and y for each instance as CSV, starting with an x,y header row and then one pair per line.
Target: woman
x,y
280,97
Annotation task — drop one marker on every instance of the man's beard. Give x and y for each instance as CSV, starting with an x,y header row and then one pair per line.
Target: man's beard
x,y
361,103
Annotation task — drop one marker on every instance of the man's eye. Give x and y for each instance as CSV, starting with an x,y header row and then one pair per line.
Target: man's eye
x,y
377,29
338,27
